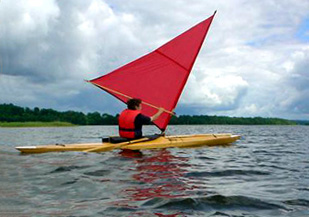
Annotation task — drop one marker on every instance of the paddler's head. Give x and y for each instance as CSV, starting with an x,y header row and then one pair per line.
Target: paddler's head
x,y
134,104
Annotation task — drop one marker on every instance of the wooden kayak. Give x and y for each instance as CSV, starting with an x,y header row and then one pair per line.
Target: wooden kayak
x,y
179,141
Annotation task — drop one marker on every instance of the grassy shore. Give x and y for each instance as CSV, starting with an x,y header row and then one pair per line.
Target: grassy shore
x,y
36,124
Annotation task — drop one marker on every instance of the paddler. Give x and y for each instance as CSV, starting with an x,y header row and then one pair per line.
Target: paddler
x,y
131,119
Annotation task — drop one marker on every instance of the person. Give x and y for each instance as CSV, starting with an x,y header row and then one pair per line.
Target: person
x,y
131,119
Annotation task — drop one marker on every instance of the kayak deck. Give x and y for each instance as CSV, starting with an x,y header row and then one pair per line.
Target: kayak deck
x,y
180,141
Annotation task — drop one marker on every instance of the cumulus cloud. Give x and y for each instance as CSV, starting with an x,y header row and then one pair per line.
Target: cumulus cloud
x,y
254,61
215,92
49,48
295,96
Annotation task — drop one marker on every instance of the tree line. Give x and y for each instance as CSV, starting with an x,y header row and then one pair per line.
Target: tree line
x,y
205,119
13,113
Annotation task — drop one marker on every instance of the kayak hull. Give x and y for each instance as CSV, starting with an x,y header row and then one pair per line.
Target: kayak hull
x,y
179,141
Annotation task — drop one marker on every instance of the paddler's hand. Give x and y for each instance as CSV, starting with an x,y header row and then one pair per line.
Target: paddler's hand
x,y
159,112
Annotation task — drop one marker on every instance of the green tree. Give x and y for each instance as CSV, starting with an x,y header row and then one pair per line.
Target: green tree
x,y
94,118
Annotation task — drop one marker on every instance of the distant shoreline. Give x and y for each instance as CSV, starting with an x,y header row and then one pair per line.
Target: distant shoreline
x,y
35,124
16,116
66,124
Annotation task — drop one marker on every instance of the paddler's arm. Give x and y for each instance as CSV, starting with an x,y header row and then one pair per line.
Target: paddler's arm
x,y
157,115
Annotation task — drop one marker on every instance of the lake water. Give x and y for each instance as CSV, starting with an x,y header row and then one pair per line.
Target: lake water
x,y
266,173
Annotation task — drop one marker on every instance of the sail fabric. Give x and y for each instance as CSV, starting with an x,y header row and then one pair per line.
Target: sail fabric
x,y
158,78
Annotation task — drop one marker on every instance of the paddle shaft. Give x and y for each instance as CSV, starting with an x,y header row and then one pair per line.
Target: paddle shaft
x,y
114,146
129,97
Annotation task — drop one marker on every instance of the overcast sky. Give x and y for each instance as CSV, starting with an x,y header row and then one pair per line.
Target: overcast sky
x,y
254,62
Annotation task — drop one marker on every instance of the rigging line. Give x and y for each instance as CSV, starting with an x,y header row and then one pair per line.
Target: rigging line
x,y
129,97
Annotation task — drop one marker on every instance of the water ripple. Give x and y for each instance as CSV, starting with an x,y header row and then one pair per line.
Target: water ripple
x,y
224,173
67,169
220,202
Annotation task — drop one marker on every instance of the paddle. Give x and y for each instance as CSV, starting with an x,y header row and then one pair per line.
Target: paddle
x,y
110,146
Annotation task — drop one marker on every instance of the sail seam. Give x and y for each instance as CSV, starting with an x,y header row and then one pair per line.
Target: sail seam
x,y
162,54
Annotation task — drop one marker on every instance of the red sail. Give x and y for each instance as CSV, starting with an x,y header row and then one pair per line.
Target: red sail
x,y
158,78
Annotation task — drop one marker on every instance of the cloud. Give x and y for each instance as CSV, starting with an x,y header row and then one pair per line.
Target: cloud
x,y
215,92
295,97
53,47
254,61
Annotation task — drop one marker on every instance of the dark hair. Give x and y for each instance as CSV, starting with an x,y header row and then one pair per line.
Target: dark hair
x,y
133,103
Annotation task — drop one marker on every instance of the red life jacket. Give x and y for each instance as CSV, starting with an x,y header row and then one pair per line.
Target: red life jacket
x,y
126,123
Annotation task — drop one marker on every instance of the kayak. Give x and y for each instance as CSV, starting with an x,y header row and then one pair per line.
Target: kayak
x,y
154,142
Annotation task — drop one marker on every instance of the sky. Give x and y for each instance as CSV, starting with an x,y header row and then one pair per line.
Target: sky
x,y
254,62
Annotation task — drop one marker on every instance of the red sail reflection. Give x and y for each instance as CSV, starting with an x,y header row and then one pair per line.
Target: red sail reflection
x,y
165,172
160,176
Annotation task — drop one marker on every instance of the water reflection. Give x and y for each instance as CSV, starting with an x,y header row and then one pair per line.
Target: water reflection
x,y
158,178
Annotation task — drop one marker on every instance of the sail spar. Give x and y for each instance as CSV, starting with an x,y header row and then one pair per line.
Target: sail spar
x,y
159,77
